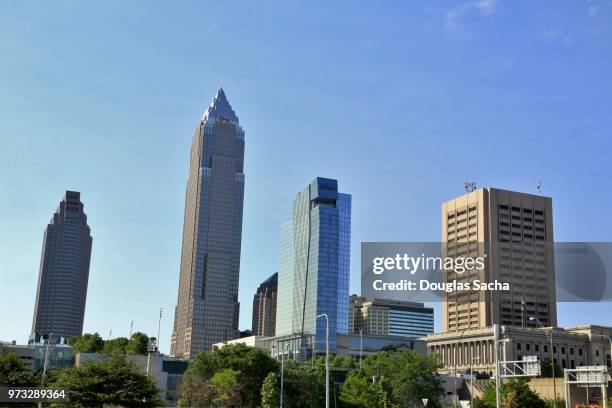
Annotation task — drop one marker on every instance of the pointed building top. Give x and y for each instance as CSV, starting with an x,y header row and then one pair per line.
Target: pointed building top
x,y
220,109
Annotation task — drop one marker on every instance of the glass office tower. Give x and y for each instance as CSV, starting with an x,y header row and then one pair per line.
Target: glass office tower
x,y
314,263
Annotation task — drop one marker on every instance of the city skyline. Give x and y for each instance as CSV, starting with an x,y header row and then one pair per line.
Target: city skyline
x,y
395,113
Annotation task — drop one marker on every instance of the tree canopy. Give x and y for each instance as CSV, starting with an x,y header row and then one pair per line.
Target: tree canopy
x,y
93,343
514,393
396,378
15,371
249,366
108,382
87,343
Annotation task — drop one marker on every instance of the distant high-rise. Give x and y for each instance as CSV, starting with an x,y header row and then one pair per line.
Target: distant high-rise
x,y
207,309
389,317
264,308
515,231
314,263
64,273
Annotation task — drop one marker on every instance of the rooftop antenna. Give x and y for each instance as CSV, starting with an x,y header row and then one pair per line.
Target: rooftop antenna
x,y
540,187
161,313
469,186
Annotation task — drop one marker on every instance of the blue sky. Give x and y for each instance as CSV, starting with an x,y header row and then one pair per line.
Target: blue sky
x,y
402,102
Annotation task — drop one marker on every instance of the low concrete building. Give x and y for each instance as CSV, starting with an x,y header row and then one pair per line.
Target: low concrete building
x,y
355,345
251,341
463,350
59,355
299,348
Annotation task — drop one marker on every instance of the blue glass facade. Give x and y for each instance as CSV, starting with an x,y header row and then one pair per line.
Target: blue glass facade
x,y
314,263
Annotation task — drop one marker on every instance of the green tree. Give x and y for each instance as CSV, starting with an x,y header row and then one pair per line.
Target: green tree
x,y
115,347
360,392
15,371
406,376
512,392
108,382
87,343
547,370
138,344
342,362
225,388
253,365
270,391
304,387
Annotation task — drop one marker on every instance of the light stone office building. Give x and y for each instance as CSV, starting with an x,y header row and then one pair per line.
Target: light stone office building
x,y
472,349
515,231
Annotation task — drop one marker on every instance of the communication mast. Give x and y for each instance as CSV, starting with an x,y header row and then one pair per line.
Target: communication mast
x,y
469,186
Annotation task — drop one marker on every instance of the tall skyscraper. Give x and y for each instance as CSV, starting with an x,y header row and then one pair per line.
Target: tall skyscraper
x,y
515,231
64,273
264,308
207,309
314,263
389,317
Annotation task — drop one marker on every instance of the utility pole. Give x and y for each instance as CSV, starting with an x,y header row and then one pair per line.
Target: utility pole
x,y
161,312
131,328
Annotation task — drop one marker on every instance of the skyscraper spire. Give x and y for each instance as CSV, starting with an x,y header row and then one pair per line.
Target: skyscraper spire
x,y
220,109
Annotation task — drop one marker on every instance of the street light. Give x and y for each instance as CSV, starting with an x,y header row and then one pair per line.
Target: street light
x,y
496,341
360,347
326,357
44,373
552,358
455,359
472,380
282,379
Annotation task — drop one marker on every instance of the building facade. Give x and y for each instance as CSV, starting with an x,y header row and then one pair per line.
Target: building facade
x,y
64,273
389,317
473,349
515,231
314,264
264,308
207,308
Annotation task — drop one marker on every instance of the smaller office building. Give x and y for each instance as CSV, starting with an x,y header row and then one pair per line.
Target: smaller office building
x,y
389,317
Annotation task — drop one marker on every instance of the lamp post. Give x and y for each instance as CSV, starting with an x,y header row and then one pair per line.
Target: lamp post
x,y
455,359
496,341
46,363
326,357
360,347
472,380
282,379
552,358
